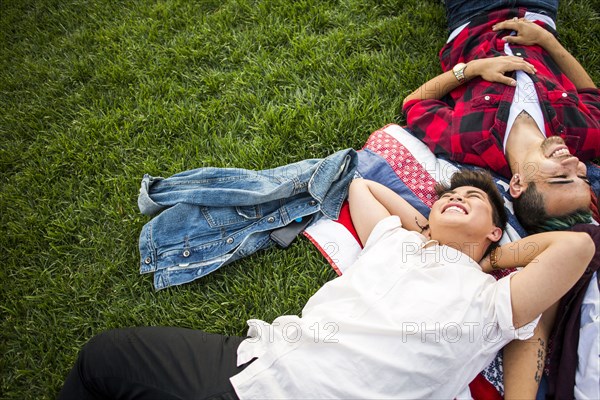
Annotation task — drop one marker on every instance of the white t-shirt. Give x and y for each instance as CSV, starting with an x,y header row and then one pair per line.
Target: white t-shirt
x,y
405,321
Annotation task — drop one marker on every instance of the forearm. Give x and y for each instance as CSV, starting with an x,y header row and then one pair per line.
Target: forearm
x,y
371,202
521,252
567,63
411,218
524,360
492,69
435,88
554,269
521,367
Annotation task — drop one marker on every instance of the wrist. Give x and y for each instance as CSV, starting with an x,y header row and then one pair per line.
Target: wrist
x,y
471,70
494,259
459,72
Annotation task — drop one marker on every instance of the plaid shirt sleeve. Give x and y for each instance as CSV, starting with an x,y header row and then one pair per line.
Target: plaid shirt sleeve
x,y
589,104
430,120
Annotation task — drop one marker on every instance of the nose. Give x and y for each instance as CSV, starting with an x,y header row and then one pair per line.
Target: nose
x,y
570,162
456,197
572,165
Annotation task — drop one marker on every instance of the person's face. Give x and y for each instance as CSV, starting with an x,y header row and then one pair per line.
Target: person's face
x,y
559,177
466,209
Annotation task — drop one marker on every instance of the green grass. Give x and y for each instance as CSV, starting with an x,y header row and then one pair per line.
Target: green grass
x,y
93,94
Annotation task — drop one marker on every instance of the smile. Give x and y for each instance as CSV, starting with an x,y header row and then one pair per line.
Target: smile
x,y
560,152
455,209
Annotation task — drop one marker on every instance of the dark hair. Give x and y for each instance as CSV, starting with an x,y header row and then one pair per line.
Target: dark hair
x,y
481,180
530,210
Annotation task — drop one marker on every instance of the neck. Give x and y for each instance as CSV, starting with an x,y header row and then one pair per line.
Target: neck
x,y
524,137
467,245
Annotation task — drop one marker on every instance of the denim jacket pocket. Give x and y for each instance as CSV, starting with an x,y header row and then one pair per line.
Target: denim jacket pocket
x,y
218,217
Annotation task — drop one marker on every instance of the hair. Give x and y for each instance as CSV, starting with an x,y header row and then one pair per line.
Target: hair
x,y
530,210
481,180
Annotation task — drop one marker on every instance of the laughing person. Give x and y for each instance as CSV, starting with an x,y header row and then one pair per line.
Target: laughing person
x,y
514,100
414,317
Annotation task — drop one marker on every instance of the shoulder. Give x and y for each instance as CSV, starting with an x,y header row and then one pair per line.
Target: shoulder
x,y
390,230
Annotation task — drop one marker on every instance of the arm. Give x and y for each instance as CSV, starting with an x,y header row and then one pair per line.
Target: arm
x,y
546,276
370,202
524,360
529,33
490,69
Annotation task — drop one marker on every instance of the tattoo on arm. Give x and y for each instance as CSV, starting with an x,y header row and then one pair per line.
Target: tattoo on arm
x,y
541,360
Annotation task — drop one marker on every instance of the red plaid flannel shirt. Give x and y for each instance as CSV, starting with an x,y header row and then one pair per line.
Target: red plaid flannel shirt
x,y
469,126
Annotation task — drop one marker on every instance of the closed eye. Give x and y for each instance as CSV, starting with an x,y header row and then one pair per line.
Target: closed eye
x,y
585,179
567,181
477,195
474,193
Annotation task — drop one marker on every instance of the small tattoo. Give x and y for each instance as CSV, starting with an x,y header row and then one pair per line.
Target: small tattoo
x,y
541,359
423,228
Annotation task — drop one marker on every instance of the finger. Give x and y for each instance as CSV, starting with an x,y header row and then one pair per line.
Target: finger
x,y
525,65
506,80
513,39
509,24
521,65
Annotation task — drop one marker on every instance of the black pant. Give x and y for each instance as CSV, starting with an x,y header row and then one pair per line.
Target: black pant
x,y
154,363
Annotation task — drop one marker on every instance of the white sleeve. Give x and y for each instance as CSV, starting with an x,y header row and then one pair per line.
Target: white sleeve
x,y
503,307
383,229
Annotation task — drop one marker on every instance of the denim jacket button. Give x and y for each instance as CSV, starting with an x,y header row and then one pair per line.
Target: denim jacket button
x,y
229,240
147,260
186,253
271,220
312,203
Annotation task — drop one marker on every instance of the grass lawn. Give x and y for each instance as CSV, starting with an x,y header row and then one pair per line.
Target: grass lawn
x,y
93,94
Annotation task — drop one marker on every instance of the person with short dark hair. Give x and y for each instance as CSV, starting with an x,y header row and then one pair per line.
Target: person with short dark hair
x,y
414,317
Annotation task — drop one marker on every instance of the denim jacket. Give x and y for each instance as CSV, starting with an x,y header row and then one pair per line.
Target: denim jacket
x,y
210,217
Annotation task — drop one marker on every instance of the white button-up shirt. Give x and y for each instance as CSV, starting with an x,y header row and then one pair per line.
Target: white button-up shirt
x,y
410,319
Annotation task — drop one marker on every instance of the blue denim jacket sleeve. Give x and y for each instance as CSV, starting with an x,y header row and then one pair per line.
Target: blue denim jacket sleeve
x,y
209,217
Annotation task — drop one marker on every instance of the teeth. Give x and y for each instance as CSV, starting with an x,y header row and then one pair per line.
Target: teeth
x,y
455,209
560,153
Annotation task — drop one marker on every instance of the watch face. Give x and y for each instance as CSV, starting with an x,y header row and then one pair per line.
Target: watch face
x,y
459,72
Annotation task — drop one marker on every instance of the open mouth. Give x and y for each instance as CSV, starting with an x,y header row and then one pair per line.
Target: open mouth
x,y
560,152
454,208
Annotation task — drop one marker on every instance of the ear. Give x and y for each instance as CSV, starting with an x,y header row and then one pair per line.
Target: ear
x,y
516,186
495,234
